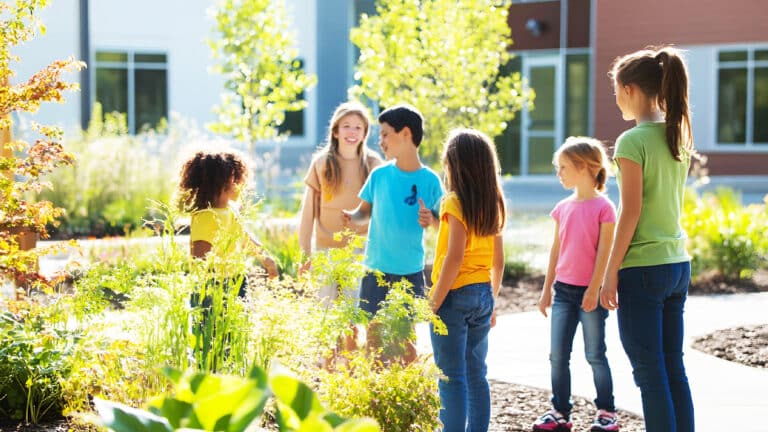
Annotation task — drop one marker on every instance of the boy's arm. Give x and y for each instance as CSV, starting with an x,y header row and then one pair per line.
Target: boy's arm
x,y
426,217
360,215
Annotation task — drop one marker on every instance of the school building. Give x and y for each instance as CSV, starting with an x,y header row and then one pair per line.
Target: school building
x,y
150,58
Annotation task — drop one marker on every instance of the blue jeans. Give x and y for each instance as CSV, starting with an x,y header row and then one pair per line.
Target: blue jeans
x,y
566,316
464,394
650,313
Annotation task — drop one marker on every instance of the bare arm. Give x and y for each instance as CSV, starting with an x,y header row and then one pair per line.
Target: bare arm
x,y
457,242
497,268
360,215
545,299
589,303
307,221
199,248
631,204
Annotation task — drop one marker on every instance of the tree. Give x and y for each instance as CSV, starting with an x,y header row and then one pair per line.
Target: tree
x,y
23,163
444,58
263,74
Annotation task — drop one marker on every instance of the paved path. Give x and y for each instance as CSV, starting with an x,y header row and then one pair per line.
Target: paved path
x,y
722,391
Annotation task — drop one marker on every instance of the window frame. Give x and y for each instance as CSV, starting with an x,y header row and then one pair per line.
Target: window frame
x,y
750,64
131,66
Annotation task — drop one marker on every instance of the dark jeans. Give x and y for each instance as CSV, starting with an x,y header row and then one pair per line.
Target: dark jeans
x,y
566,316
650,314
371,294
460,355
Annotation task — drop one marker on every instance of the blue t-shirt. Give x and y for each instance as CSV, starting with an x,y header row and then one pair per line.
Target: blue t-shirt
x,y
395,238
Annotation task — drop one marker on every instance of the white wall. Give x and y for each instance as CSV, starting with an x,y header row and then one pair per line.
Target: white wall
x,y
59,42
178,28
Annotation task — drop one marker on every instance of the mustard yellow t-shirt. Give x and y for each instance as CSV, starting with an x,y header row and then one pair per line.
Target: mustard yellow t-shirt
x,y
478,253
329,220
222,229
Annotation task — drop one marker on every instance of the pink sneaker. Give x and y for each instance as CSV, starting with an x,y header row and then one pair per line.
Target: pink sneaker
x,y
552,421
605,421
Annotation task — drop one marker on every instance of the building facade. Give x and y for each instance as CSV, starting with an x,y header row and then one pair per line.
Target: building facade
x,y
149,59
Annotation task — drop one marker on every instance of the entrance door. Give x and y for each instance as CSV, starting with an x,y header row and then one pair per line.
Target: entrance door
x,y
541,129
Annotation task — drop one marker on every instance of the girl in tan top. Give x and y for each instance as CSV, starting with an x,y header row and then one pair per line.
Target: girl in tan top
x,y
334,179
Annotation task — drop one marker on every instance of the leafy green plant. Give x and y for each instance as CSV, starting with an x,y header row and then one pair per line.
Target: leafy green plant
x,y
723,234
229,403
108,191
37,357
401,398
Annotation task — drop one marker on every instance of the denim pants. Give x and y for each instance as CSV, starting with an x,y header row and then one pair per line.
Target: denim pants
x,y
650,313
566,316
464,393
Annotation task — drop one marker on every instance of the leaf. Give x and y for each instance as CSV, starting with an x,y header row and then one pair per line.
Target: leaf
x,y
122,418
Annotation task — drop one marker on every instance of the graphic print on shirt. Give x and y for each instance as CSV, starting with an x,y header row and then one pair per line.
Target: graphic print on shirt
x,y
411,199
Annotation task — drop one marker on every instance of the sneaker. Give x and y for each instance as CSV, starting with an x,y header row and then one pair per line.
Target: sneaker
x,y
552,421
605,421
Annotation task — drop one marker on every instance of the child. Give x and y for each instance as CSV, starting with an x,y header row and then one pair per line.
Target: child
x,y
335,177
648,264
583,233
469,263
390,199
209,182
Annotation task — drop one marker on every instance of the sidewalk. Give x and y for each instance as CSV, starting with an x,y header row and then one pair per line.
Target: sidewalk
x,y
722,391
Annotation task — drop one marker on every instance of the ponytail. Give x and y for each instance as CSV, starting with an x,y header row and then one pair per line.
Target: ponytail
x,y
601,178
661,74
673,100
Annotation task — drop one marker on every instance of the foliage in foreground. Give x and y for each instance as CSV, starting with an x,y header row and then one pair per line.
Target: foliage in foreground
x,y
230,403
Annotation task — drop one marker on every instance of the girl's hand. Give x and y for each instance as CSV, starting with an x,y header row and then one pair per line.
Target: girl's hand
x,y
608,293
493,318
271,266
589,302
305,267
545,301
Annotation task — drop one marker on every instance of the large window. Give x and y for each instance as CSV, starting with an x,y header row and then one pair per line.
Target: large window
x,y
133,83
742,97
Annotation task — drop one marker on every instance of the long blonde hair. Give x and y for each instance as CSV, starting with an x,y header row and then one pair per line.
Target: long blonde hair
x,y
331,149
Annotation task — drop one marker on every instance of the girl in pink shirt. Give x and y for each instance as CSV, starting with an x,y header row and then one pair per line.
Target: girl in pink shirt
x,y
584,225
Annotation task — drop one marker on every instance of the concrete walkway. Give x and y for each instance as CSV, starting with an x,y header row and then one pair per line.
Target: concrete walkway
x,y
723,391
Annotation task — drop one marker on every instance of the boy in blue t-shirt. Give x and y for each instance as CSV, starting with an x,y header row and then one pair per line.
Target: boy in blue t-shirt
x,y
399,200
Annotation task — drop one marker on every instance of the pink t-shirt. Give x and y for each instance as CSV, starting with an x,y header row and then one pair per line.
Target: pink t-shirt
x,y
579,233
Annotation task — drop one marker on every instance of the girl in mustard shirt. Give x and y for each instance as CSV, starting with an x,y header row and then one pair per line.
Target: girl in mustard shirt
x,y
469,262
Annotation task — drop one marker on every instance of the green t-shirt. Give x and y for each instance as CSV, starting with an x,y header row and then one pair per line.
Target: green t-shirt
x,y
659,238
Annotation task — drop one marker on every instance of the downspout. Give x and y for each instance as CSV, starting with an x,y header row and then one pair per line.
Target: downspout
x,y
85,55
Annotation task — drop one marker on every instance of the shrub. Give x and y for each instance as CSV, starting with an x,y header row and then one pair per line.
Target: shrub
x,y
723,234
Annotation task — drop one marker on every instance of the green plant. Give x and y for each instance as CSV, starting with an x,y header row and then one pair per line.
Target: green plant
x,y
229,403
430,54
723,234
117,176
22,164
263,75
401,398
37,357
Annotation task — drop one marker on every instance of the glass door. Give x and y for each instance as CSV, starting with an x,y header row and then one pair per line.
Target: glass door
x,y
541,130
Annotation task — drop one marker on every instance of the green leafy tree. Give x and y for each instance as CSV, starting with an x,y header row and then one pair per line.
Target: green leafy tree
x,y
22,163
263,74
444,58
